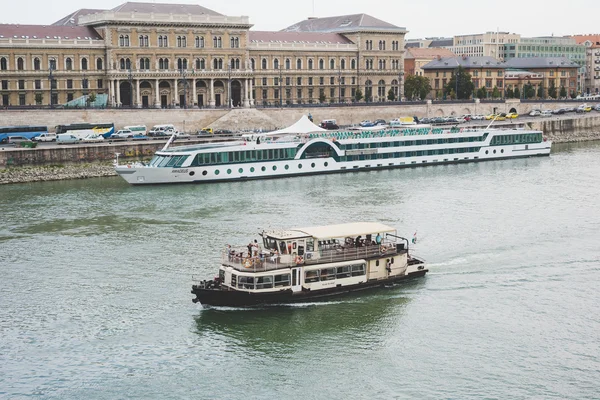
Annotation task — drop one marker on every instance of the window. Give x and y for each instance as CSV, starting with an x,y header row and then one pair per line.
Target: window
x,y
22,100
343,64
124,40
181,41
288,63
3,64
332,64
100,84
332,80
84,84
299,64
144,63
353,64
36,64
21,84
264,94
321,81
163,63
264,63
144,41
310,81
38,84
310,64
69,64
264,81
217,42
199,42
276,63
20,64
234,42
200,63
321,64
69,83
99,64
299,81
84,64
181,63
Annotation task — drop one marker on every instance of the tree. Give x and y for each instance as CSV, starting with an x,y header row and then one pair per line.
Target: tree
x,y
563,92
39,98
573,94
482,93
517,93
391,95
540,91
358,96
528,91
509,93
91,99
322,97
416,87
495,93
552,89
368,94
461,83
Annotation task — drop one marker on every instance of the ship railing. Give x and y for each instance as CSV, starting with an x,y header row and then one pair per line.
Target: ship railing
x,y
240,260
349,253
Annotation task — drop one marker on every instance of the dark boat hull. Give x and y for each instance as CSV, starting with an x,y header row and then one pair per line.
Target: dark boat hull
x,y
234,298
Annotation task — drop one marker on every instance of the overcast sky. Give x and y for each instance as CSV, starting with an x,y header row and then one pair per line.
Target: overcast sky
x,y
422,18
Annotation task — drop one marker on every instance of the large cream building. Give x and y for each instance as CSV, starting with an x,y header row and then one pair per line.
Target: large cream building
x,y
166,55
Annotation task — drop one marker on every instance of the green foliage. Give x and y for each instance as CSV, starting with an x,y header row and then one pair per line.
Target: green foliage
x,y
563,92
573,94
495,93
540,91
39,98
416,87
552,90
91,98
358,96
482,93
322,97
391,96
528,91
517,93
509,93
368,94
464,87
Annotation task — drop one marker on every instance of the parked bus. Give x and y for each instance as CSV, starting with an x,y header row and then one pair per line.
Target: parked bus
x,y
26,131
83,130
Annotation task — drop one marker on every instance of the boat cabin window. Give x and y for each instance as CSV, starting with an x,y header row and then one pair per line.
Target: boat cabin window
x,y
300,247
327,274
264,282
310,245
270,243
282,247
246,282
233,280
282,280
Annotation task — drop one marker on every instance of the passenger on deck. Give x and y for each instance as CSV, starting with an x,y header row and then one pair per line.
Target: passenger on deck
x,y
358,243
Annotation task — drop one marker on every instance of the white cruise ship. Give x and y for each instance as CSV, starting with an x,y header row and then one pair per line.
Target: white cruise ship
x,y
287,153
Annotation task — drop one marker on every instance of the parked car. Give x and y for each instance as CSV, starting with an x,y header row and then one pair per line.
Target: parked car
x,y
597,108
466,117
137,129
535,113
559,111
512,115
45,137
366,123
380,122
206,131
21,141
122,134
546,113
162,130
329,124
93,138
66,138
584,108
478,117
223,132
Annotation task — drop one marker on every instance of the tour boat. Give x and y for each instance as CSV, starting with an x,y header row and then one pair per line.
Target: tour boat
x,y
296,265
294,152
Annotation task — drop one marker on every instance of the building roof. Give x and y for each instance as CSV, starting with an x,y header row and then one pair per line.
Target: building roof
x,y
428,53
442,42
465,62
48,31
593,39
412,45
297,37
540,62
71,19
163,8
342,23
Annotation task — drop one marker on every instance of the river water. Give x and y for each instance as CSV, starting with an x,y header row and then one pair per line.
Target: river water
x,y
95,286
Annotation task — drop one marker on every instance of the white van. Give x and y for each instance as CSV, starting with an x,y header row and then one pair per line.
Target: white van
x,y
137,129
66,138
162,130
45,137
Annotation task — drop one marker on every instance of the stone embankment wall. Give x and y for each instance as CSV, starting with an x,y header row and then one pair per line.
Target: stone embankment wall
x,y
55,173
578,129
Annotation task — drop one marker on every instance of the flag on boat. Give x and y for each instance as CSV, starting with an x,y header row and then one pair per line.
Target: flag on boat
x,y
414,239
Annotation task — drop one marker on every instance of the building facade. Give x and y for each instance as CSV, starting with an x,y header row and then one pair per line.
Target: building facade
x,y
592,62
165,55
416,58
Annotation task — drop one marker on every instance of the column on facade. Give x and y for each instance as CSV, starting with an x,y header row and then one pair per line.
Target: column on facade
x,y
156,94
110,93
246,100
251,96
117,89
212,93
176,93
138,97
194,94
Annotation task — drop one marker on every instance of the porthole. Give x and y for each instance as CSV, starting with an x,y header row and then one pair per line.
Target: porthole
x,y
229,172
252,169
326,163
486,152
502,151
312,165
217,172
274,167
287,167
241,170
494,151
204,173
299,166
263,169
192,173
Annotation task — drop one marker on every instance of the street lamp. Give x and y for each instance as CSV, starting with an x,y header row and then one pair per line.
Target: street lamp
x,y
130,87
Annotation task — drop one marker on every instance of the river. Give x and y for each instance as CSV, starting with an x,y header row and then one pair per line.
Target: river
x,y
95,298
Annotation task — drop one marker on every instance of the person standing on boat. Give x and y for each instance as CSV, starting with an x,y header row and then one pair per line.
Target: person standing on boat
x,y
250,249
255,248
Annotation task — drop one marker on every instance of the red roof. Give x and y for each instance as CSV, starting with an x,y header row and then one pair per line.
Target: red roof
x,y
297,37
51,31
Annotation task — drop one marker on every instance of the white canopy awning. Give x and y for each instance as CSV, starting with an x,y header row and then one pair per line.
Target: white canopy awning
x,y
303,125
352,229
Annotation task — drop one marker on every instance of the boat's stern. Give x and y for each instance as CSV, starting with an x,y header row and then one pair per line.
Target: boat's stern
x,y
416,267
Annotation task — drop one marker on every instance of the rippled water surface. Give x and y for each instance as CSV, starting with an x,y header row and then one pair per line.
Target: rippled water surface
x,y
95,296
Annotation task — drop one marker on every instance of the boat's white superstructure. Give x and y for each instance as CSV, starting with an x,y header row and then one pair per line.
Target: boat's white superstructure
x,y
270,156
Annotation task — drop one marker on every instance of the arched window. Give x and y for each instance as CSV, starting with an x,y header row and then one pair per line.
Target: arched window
x,y
181,63
264,63
287,63
142,63
321,64
219,43
276,63
299,63
84,64
121,40
252,64
237,63
52,64
232,42
342,63
126,40
199,42
237,42
69,64
160,41
332,64
20,64
310,64
99,65
215,42
36,64
353,64
122,63
127,63
3,64
220,63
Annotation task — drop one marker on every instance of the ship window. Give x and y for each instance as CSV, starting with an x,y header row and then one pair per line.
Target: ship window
x,y
246,282
241,170
173,161
282,280
358,270
264,282
274,167
327,274
263,169
252,169
164,162
229,171
233,280
217,172
344,272
311,276
287,167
